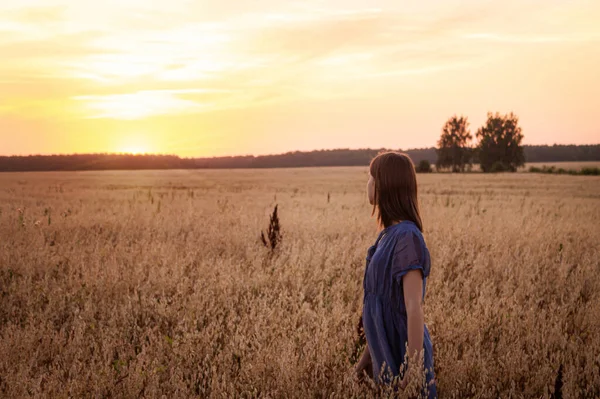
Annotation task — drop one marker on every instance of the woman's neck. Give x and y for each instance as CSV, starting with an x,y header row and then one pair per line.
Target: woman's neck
x,y
381,227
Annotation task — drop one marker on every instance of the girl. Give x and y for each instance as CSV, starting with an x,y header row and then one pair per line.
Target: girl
x,y
395,278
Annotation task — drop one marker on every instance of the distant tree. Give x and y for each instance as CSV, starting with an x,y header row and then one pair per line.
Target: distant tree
x,y
424,167
453,149
499,147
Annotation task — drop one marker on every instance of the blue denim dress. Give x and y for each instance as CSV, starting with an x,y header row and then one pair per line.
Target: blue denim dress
x,y
398,249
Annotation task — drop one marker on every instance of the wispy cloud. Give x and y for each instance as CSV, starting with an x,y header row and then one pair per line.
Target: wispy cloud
x,y
534,38
146,103
137,105
139,62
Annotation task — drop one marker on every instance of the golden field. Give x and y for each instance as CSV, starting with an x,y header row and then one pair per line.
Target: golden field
x,y
144,284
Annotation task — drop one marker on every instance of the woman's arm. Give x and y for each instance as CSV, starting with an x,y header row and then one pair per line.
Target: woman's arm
x,y
412,282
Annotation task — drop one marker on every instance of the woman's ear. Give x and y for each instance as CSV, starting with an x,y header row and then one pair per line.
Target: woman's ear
x,y
371,190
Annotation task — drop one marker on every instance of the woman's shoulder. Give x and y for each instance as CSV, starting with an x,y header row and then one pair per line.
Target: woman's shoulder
x,y
410,251
406,227
408,233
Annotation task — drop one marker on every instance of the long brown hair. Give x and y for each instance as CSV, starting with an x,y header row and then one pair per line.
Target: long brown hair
x,y
395,189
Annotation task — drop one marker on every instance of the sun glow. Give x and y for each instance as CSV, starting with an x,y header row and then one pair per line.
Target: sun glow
x,y
135,144
134,151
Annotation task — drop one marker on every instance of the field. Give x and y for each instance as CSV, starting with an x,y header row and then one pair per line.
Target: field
x,y
144,284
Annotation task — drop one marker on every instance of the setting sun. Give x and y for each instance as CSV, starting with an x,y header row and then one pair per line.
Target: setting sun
x,y
134,151
134,144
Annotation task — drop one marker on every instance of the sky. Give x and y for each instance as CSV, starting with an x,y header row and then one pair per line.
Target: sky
x,y
229,77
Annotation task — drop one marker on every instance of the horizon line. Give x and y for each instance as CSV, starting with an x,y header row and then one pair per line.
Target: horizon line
x,y
261,155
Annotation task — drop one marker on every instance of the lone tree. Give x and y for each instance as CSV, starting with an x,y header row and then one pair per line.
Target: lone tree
x,y
453,146
499,146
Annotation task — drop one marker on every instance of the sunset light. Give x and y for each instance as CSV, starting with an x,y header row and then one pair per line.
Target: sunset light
x,y
135,144
133,151
256,78
291,199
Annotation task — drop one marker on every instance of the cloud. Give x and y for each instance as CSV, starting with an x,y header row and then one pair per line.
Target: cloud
x,y
137,105
57,47
534,38
37,14
254,59
145,103
137,62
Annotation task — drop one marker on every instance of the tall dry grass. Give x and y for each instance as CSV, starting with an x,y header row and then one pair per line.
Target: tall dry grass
x,y
144,284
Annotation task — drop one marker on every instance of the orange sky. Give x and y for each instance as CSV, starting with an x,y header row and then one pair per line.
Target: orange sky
x,y
204,78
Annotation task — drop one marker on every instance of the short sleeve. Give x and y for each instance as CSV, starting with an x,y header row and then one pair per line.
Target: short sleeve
x,y
409,254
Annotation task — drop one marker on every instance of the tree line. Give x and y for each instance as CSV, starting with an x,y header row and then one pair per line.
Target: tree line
x,y
498,147
338,157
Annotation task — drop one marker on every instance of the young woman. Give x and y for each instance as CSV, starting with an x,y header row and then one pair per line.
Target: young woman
x,y
395,278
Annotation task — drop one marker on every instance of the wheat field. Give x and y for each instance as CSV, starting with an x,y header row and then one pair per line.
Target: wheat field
x,y
156,284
